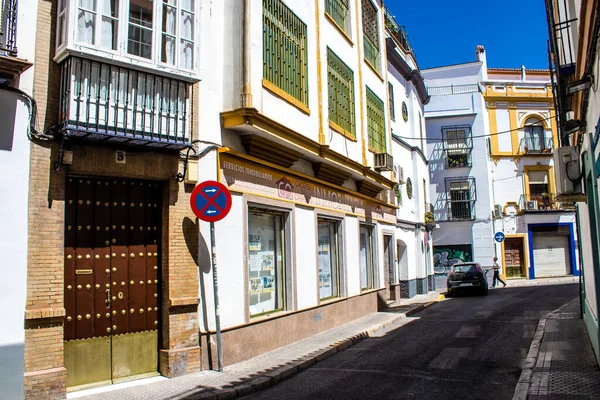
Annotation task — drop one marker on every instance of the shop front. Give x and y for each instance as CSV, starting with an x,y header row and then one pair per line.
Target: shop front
x,y
313,255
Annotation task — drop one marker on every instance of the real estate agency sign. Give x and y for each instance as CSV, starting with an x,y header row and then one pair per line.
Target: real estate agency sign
x,y
245,176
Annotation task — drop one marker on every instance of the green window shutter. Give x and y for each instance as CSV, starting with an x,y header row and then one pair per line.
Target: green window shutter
x,y
391,98
285,50
371,34
341,93
338,11
375,122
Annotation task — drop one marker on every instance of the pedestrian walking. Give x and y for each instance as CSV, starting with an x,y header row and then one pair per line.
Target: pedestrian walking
x,y
496,268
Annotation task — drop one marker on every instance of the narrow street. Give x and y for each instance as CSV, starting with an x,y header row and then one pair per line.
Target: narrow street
x,y
467,347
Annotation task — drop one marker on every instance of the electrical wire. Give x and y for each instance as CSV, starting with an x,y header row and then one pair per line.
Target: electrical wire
x,y
472,137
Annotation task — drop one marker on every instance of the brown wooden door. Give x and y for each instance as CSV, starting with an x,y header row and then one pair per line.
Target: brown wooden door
x,y
112,229
513,258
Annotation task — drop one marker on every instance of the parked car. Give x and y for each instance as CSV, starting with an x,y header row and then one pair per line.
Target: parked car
x,y
467,277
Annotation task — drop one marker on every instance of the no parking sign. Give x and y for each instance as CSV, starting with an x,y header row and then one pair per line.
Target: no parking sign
x,y
210,201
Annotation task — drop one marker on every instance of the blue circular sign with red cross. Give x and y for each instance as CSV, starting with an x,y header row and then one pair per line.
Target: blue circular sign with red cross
x,y
210,201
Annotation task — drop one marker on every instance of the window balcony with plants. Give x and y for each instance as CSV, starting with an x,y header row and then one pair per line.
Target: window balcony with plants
x,y
397,31
543,202
457,145
536,146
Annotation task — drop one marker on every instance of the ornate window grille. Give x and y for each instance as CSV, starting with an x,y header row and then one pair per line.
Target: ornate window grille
x,y
105,102
371,34
461,198
375,123
458,143
341,93
285,50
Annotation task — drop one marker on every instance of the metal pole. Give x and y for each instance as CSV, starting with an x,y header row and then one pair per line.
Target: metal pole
x,y
216,296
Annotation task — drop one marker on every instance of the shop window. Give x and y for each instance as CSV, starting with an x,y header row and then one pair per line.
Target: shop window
x,y
266,261
285,50
329,258
340,80
367,267
375,123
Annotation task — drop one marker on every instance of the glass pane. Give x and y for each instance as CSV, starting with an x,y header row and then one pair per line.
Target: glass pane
x,y
187,55
169,18
265,262
86,28
89,5
108,37
365,258
187,5
168,49
110,8
327,256
187,26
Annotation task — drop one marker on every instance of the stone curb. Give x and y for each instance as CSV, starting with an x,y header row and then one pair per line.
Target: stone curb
x,y
527,376
277,375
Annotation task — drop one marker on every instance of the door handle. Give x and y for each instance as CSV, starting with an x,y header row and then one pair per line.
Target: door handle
x,y
107,300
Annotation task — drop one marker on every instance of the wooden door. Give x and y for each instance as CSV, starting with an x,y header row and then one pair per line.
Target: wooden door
x,y
513,258
112,229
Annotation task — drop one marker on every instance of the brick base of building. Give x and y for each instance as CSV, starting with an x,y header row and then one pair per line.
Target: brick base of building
x,y
177,362
48,384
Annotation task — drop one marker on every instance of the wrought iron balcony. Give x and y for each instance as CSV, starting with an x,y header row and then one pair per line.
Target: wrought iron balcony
x,y
540,202
8,28
398,31
534,146
452,89
114,104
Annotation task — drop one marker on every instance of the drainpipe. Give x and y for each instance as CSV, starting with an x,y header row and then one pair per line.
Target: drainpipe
x,y
246,51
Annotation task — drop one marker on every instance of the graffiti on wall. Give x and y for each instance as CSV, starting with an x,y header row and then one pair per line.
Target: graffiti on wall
x,y
445,257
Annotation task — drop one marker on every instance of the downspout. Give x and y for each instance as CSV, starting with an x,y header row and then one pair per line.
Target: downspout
x,y
246,51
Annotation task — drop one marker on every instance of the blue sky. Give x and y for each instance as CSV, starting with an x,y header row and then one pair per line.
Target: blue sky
x,y
443,32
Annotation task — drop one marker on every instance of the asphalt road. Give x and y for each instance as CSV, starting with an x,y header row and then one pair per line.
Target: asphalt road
x,y
466,347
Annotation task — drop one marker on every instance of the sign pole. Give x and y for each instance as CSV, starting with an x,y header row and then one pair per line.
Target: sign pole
x,y
216,296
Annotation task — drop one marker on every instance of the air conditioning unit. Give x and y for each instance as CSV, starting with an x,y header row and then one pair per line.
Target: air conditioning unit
x,y
531,205
568,171
497,211
399,173
384,162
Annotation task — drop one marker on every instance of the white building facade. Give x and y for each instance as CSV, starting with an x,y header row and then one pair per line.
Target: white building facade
x,y
17,111
492,136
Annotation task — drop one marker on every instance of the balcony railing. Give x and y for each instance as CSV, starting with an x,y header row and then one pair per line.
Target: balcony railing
x,y
109,103
544,202
398,31
8,28
530,145
452,89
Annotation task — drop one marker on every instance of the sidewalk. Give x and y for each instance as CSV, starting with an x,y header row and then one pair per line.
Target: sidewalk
x,y
267,369
561,363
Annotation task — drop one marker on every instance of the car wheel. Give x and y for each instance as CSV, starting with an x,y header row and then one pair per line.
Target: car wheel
x,y
484,291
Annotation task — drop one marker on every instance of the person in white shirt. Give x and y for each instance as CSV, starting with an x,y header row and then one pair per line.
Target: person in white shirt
x,y
496,268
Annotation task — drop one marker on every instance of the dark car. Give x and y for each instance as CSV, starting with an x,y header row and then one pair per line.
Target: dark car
x,y
467,277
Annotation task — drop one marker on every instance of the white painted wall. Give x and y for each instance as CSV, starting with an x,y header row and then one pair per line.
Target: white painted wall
x,y
307,270
14,117
503,125
352,255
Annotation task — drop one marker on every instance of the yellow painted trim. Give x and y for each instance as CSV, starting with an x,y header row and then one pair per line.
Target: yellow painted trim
x,y
388,128
360,84
285,96
303,176
551,183
543,120
554,129
514,134
511,203
322,139
342,131
336,26
525,256
374,70
495,144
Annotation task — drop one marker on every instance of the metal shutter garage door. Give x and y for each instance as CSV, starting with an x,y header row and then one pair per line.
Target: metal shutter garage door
x,y
551,254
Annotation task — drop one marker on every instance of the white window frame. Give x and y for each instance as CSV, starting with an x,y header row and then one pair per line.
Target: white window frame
x,y
339,280
72,44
